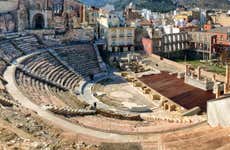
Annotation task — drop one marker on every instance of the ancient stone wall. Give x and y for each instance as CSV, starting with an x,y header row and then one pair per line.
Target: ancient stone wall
x,y
7,22
175,42
181,67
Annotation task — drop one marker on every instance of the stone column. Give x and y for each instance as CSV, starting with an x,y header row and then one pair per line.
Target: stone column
x,y
218,91
199,73
187,70
214,78
227,76
83,13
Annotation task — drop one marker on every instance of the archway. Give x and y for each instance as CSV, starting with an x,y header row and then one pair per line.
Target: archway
x,y
38,21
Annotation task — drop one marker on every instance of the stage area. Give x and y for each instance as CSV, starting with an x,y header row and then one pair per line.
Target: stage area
x,y
119,94
175,89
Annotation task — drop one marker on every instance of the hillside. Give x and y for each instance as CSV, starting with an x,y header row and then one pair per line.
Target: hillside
x,y
161,5
222,4
154,5
97,3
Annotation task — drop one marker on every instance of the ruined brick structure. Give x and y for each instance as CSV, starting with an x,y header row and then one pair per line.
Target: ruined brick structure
x,y
203,42
171,42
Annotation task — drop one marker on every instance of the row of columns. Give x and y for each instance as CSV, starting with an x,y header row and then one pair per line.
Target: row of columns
x,y
227,80
175,46
218,85
175,38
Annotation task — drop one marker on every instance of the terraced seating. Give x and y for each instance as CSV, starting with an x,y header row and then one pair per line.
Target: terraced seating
x,y
47,67
3,66
175,119
82,58
8,51
70,111
5,98
27,43
128,126
43,93
6,102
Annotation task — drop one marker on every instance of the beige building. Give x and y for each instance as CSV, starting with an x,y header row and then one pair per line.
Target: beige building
x,y
113,30
222,19
187,15
92,15
20,15
120,39
203,42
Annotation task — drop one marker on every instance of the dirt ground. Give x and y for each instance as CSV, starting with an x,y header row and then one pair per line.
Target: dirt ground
x,y
121,95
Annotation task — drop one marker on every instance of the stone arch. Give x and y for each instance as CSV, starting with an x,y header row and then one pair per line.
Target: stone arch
x,y
38,21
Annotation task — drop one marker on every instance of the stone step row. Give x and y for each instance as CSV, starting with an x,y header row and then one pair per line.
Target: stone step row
x,y
175,119
70,111
42,79
6,102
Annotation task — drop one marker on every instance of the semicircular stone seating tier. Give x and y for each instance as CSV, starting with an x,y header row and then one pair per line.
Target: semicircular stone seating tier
x,y
46,66
8,52
27,43
81,57
44,93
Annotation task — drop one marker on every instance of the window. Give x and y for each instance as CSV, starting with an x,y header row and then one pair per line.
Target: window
x,y
38,6
78,14
129,34
58,9
228,36
221,37
113,43
71,8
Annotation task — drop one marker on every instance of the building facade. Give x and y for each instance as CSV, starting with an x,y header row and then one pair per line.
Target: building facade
x,y
44,14
221,18
120,39
203,42
118,36
170,42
